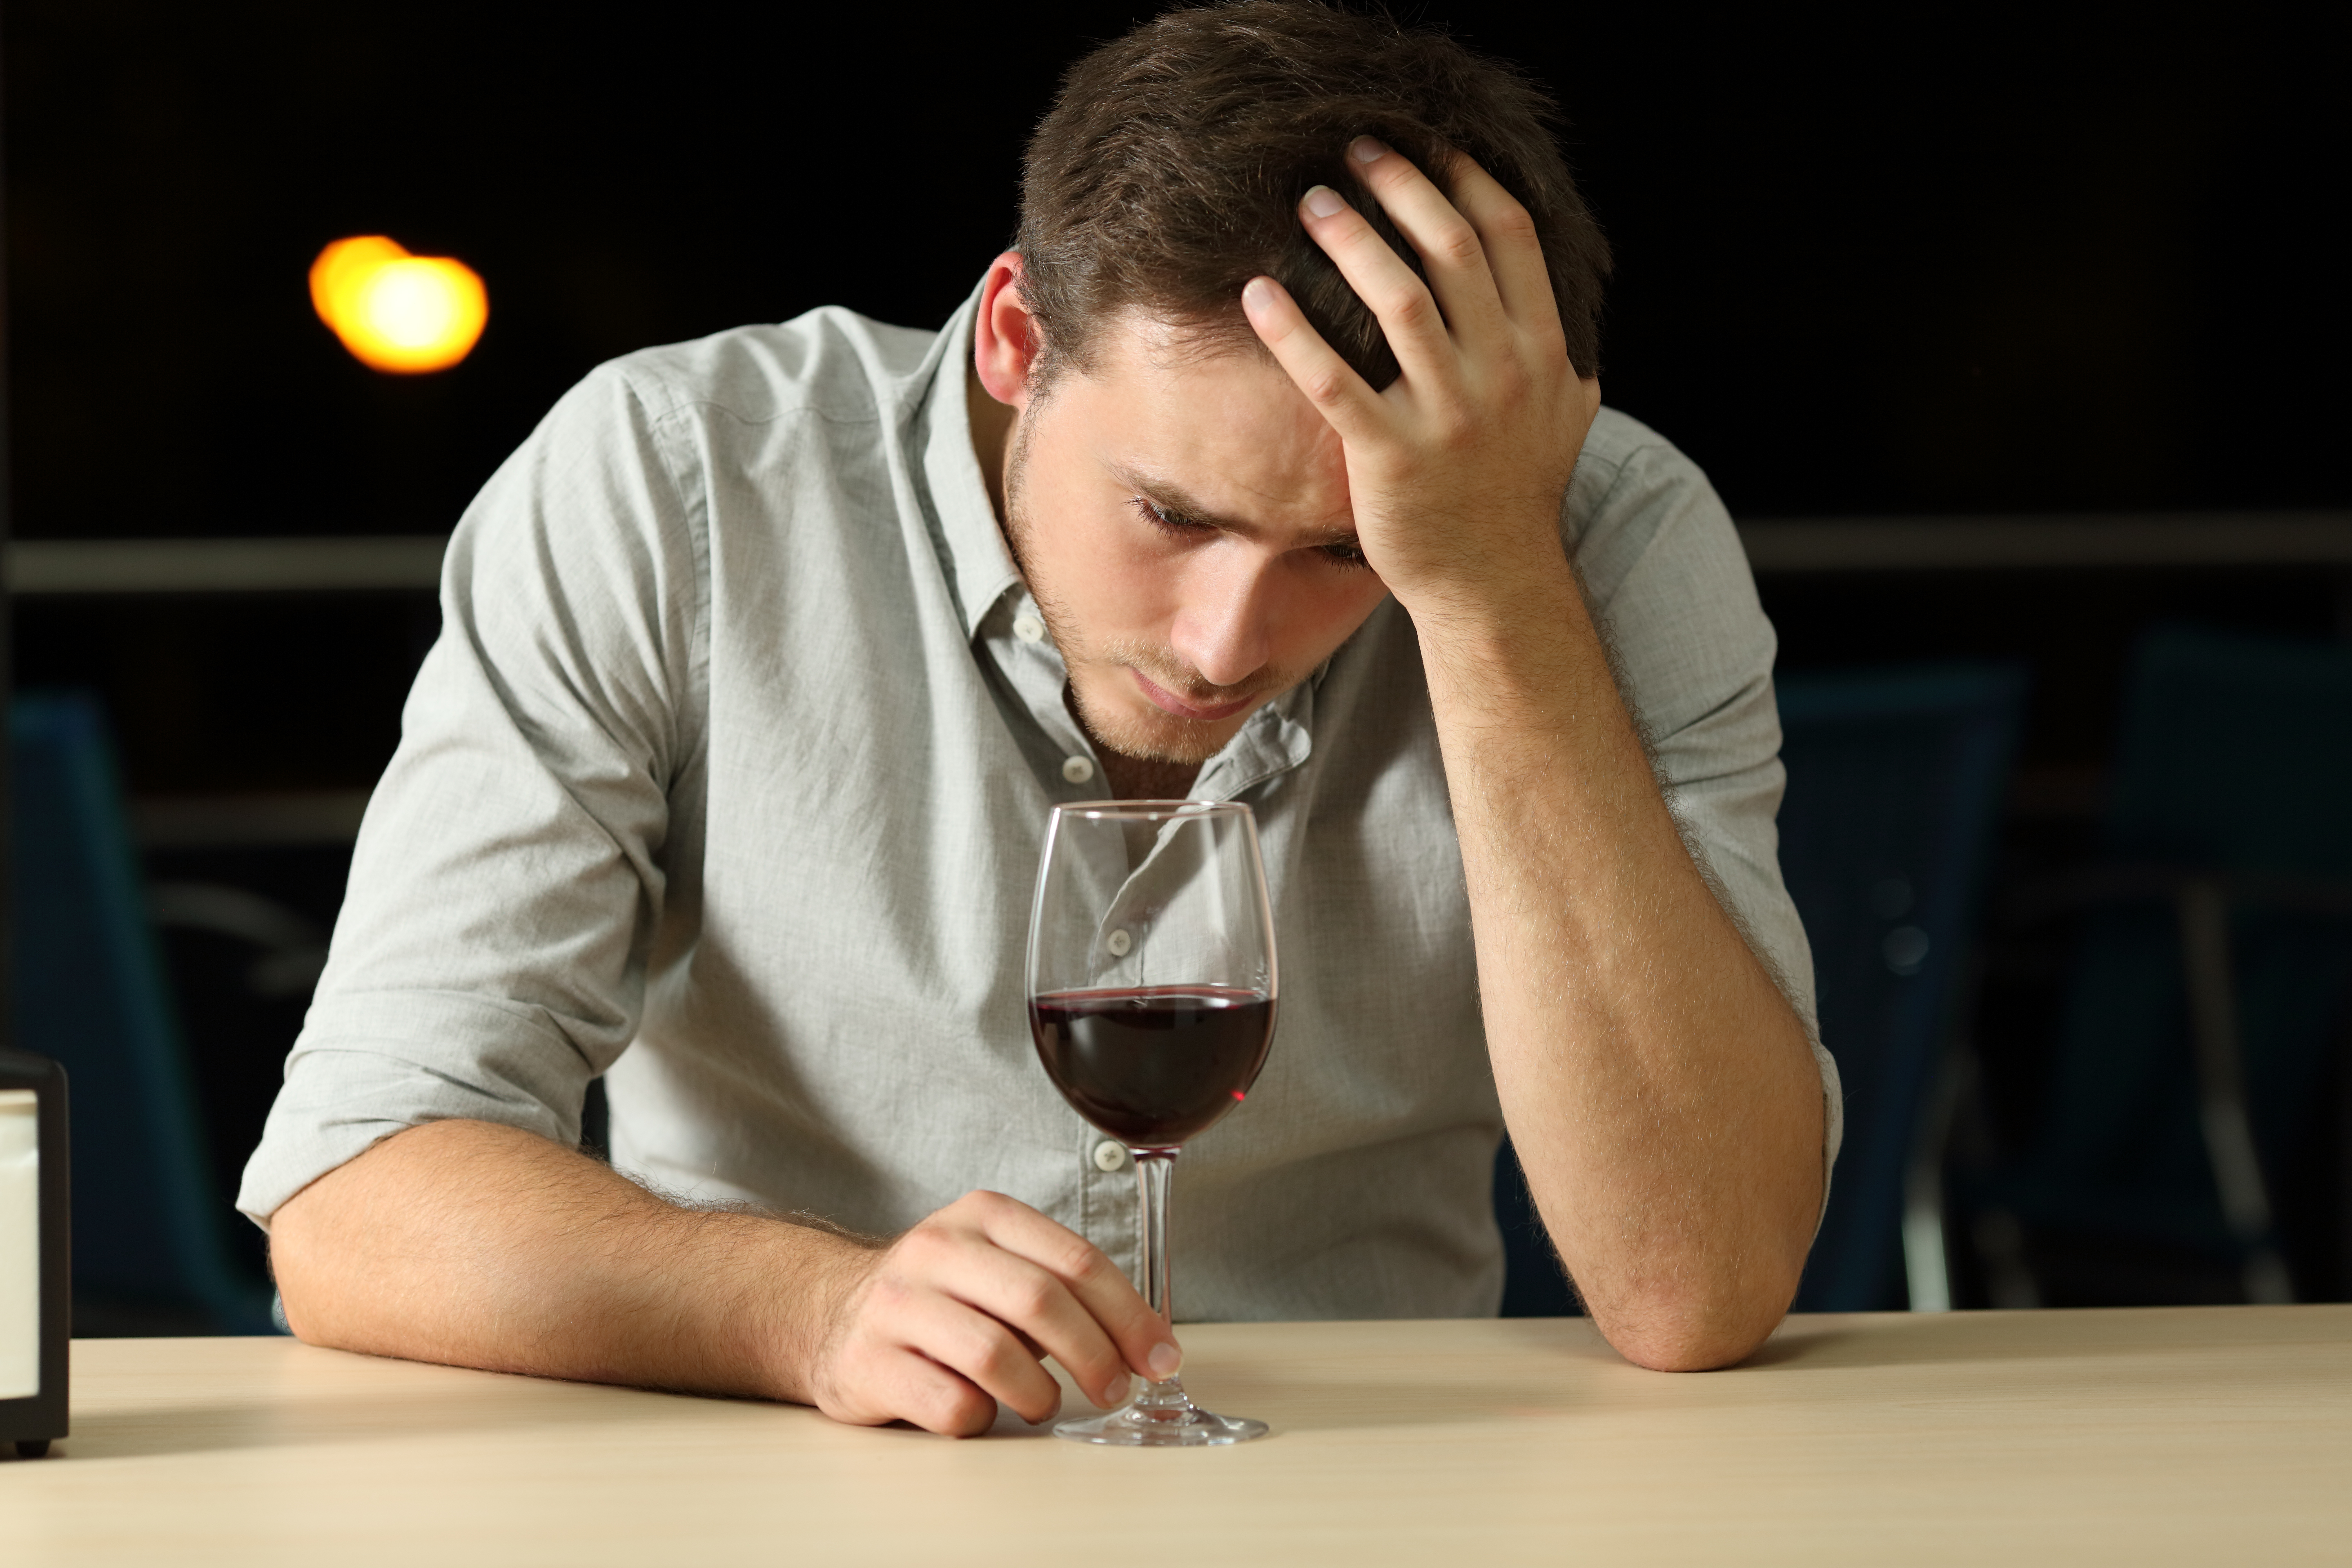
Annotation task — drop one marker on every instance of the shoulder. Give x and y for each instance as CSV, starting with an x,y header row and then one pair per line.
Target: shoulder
x,y
1664,568
1634,492
830,363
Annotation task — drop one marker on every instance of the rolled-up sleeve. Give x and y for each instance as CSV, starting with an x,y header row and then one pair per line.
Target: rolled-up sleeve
x,y
509,878
1667,577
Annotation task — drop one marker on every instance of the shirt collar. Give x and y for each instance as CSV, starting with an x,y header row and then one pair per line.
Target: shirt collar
x,y
978,561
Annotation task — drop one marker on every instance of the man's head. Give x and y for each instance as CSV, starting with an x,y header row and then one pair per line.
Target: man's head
x,y
1180,510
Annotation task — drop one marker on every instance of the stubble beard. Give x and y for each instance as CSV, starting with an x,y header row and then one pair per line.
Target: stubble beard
x,y
1159,737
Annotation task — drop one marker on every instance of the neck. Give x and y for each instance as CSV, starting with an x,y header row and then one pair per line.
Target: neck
x,y
1134,778
1140,778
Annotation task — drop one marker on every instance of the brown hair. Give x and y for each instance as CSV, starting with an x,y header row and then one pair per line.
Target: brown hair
x,y
1169,171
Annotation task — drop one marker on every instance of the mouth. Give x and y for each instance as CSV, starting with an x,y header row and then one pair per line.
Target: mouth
x,y
1168,702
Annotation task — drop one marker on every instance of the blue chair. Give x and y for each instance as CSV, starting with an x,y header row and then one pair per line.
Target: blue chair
x,y
2213,977
150,1250
1895,780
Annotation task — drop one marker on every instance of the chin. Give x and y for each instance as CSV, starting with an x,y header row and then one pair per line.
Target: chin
x,y
1161,739
1152,736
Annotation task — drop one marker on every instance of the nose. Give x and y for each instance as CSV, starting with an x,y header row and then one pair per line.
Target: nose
x,y
1222,628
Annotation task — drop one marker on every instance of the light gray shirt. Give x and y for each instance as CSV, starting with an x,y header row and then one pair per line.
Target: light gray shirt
x,y
726,780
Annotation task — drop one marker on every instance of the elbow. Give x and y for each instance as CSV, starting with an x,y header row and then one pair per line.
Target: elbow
x,y
1704,1349
1701,1333
294,1269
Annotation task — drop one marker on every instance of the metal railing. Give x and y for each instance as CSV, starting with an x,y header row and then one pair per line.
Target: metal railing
x,y
413,562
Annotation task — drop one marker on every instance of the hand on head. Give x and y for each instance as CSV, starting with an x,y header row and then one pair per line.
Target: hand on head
x,y
1455,470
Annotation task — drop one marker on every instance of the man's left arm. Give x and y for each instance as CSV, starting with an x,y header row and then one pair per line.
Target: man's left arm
x,y
1662,1092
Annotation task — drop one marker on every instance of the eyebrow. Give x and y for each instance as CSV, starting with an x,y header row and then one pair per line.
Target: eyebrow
x,y
1181,504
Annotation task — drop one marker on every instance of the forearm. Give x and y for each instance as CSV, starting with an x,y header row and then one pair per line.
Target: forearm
x,y
1659,1088
480,1245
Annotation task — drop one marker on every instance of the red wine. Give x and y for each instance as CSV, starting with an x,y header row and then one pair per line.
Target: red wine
x,y
1154,1065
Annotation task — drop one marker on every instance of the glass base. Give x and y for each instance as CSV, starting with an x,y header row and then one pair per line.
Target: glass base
x,y
1160,1417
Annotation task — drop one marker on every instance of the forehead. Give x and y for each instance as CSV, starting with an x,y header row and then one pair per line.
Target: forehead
x,y
1222,419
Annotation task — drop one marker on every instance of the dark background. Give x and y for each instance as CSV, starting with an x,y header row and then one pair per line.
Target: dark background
x,y
1964,260
1943,260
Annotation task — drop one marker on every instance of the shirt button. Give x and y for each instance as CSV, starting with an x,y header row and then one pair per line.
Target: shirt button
x,y
1118,941
1078,770
1111,1155
1029,628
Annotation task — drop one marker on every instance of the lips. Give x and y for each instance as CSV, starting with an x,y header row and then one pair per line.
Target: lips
x,y
1169,702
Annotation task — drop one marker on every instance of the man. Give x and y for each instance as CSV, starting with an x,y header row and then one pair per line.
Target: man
x,y
1270,466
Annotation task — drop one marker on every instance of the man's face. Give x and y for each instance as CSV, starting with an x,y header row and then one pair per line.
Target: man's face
x,y
1182,521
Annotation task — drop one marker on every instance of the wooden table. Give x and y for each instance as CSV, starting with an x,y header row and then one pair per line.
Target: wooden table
x,y
2206,1436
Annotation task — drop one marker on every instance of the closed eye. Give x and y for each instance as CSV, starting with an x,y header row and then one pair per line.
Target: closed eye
x,y
1346,555
1168,523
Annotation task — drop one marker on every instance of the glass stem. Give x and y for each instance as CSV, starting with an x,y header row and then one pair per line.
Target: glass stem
x,y
1152,1169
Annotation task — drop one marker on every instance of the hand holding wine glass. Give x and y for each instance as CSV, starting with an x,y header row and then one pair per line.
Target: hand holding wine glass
x,y
1151,1000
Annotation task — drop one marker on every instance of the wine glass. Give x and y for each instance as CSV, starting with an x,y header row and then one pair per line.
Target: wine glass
x,y
1151,996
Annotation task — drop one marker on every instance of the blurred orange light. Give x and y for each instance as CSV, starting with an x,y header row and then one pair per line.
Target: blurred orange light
x,y
395,312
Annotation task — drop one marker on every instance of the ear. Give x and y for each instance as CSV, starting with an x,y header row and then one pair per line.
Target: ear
x,y
1005,339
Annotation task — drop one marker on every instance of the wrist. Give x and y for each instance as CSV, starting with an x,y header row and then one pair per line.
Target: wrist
x,y
1485,593
801,1290
1524,620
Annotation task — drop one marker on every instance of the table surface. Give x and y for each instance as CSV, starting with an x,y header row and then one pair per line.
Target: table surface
x,y
2191,1435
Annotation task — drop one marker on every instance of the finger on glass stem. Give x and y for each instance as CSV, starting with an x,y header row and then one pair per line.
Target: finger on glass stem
x,y
1094,1321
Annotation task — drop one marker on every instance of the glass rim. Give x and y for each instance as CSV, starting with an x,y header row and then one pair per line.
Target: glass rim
x,y
1150,810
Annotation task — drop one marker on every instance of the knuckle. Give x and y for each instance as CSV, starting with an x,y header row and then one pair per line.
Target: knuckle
x,y
1081,1261
1458,244
991,1356
889,1294
1324,388
1410,308
957,1410
1513,222
1033,1299
920,1248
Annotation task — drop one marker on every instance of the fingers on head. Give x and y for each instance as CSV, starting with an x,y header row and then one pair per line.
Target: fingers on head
x,y
1366,258
1514,249
1443,230
1313,367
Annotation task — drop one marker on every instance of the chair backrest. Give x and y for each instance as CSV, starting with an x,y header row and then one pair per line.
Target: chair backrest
x,y
2236,754
148,1223
1896,784
2235,759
